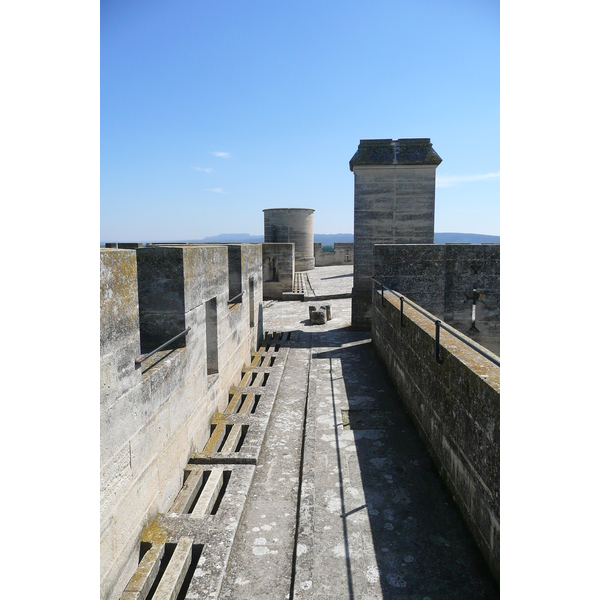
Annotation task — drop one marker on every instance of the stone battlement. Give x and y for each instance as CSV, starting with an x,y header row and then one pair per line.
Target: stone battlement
x,y
343,254
155,414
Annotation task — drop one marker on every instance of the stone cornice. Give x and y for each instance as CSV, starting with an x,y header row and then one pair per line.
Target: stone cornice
x,y
407,151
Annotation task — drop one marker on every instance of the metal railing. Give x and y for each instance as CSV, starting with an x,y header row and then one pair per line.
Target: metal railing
x,y
140,359
232,300
439,324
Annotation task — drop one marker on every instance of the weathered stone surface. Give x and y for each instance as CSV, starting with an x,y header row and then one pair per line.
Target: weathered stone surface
x,y
327,309
343,254
456,408
342,494
155,416
140,584
374,519
329,283
262,556
119,321
441,278
318,317
295,225
394,203
278,269
407,151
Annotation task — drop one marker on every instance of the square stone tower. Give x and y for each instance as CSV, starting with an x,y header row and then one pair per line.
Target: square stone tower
x,y
394,203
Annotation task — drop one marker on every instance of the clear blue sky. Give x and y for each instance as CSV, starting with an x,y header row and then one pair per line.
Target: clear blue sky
x,y
212,111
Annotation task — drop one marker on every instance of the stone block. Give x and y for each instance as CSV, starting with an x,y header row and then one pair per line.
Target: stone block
x,y
152,437
327,309
118,372
120,421
115,478
278,268
318,317
119,322
141,583
173,577
206,274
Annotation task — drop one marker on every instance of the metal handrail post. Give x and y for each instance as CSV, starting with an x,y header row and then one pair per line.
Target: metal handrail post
x,y
402,311
438,356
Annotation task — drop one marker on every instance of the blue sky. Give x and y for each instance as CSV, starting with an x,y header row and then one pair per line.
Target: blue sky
x,y
212,111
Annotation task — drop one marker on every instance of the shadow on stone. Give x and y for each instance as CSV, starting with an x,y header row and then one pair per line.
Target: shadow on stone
x,y
422,546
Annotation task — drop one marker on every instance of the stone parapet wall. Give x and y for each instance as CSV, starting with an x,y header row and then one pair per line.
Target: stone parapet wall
x,y
441,278
343,254
456,408
278,263
153,417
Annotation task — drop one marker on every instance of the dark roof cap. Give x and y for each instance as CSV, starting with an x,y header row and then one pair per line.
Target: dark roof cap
x,y
406,151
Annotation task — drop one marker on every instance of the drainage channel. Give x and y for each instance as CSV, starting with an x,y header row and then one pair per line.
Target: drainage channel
x,y
300,476
299,283
184,552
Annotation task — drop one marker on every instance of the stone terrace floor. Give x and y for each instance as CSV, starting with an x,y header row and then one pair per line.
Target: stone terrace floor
x,y
345,501
330,281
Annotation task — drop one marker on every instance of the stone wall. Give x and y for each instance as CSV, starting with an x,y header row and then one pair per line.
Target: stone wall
x,y
278,261
154,416
456,408
343,254
441,278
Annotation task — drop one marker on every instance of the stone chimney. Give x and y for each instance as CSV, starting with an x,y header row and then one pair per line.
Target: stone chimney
x,y
394,203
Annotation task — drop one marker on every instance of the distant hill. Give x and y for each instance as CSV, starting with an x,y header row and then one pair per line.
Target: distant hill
x,y
246,238
328,239
240,238
465,238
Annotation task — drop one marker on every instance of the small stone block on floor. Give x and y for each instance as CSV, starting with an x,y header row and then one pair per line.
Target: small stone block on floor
x,y
318,317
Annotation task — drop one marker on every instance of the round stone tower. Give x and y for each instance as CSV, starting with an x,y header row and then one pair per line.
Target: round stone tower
x,y
293,225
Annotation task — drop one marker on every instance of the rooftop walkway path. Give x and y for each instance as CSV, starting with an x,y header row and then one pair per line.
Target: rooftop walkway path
x,y
345,502
329,282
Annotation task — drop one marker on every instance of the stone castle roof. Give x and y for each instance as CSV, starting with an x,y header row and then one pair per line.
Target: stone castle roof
x,y
407,151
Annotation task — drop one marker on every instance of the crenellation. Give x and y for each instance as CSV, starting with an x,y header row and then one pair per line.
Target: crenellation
x,y
278,269
343,254
155,415
441,278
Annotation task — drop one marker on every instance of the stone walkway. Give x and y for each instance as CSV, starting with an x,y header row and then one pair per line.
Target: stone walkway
x,y
345,501
327,282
